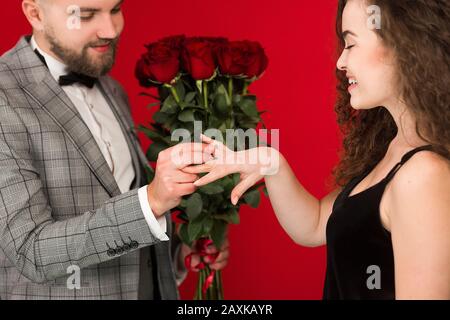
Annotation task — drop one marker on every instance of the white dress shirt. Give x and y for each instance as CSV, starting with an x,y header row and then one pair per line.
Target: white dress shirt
x,y
105,128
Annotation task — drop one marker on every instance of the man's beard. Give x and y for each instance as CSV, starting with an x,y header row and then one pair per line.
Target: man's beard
x,y
81,62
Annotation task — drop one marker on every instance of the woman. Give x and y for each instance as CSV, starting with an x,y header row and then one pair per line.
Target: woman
x,y
387,224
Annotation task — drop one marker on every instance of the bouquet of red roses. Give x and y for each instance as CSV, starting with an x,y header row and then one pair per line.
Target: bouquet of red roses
x,y
204,81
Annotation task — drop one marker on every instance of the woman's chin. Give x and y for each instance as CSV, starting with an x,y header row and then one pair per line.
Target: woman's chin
x,y
359,105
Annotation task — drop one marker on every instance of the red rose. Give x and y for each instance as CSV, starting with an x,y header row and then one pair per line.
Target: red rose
x,y
161,64
216,41
198,58
174,42
242,58
177,217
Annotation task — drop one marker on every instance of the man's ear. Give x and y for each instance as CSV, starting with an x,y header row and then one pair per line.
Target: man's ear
x,y
33,11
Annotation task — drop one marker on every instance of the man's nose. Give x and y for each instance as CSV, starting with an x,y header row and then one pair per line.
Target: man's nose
x,y
108,29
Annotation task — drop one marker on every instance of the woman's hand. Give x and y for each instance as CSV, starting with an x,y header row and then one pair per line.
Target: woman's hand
x,y
252,164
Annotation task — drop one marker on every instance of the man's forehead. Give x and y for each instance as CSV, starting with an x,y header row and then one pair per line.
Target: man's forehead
x,y
95,4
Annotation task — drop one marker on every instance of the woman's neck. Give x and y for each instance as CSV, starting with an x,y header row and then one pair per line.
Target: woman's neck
x,y
407,136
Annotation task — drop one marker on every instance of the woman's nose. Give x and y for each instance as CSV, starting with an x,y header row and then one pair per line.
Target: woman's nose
x,y
341,63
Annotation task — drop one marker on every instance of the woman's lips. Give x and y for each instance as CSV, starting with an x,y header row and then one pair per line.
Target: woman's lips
x,y
351,87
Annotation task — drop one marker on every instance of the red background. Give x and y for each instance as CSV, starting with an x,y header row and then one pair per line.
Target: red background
x,y
297,90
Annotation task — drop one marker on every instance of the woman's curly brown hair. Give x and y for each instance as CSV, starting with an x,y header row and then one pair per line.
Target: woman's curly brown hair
x,y
418,31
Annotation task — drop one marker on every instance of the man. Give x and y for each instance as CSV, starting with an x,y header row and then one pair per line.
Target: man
x,y
73,199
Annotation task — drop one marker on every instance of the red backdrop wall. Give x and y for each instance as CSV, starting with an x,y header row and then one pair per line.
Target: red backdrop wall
x,y
297,90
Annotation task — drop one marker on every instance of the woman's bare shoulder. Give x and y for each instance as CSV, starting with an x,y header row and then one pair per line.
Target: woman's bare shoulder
x,y
423,179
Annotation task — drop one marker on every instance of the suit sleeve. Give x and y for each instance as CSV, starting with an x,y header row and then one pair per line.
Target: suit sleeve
x,y
40,247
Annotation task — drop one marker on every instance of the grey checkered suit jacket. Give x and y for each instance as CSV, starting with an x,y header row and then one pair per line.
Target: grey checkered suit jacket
x,y
59,202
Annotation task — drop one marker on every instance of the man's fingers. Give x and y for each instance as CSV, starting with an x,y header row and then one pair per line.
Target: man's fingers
x,y
195,260
183,189
182,177
186,154
221,260
241,188
223,256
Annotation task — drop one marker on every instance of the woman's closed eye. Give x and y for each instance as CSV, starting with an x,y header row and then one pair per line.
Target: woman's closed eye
x,y
349,47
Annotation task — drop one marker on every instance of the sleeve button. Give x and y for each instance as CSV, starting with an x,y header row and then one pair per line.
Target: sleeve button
x,y
134,245
111,252
119,250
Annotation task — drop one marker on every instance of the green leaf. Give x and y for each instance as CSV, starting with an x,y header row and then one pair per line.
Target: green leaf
x,y
184,236
221,90
195,228
234,217
194,206
154,104
150,173
253,198
170,106
220,104
146,94
152,135
187,116
154,150
179,87
266,193
183,203
207,226
248,106
190,97
212,189
160,117
231,217
218,232
236,178
228,184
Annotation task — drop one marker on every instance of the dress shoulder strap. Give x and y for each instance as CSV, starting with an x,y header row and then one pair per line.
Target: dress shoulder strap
x,y
405,158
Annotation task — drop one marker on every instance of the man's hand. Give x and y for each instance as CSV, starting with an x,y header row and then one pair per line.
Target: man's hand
x,y
171,183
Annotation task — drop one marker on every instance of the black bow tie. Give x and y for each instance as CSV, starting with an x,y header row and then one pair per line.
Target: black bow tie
x,y
72,77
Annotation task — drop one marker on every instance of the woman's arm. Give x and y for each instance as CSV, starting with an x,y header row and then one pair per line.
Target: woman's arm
x,y
419,219
301,215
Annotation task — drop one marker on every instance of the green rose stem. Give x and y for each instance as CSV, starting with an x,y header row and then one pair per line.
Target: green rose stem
x,y
215,291
199,294
230,88
205,99
205,94
230,121
175,94
219,285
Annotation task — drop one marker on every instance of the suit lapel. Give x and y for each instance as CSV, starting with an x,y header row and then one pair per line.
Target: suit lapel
x,y
50,96
37,82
